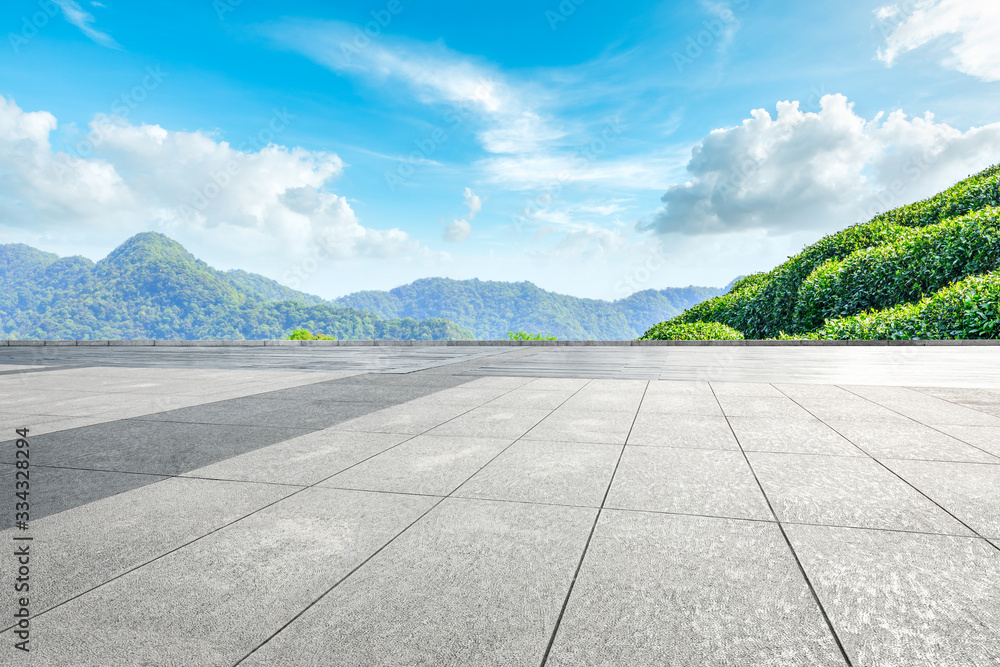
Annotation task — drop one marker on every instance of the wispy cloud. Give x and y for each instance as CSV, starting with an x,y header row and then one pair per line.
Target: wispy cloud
x,y
83,20
974,23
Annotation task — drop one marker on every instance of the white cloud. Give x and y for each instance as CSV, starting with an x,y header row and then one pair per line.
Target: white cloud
x,y
457,231
974,25
83,20
474,202
137,177
818,171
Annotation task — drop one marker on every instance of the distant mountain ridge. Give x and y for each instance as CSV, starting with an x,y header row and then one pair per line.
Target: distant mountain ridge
x,y
491,308
152,287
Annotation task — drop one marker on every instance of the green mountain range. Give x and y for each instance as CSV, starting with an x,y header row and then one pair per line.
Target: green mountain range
x,y
929,270
151,287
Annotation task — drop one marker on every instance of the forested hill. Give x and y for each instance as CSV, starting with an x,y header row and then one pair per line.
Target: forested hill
x,y
490,308
151,287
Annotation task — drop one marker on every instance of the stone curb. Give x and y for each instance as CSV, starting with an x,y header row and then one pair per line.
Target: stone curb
x,y
495,343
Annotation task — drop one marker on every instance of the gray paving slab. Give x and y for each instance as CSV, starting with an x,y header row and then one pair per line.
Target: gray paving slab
x,y
94,543
303,460
757,406
909,440
986,438
583,426
681,404
55,490
407,418
903,598
801,436
927,409
846,491
427,464
249,411
970,491
473,583
212,602
687,481
852,408
487,422
756,389
565,473
696,432
530,399
657,589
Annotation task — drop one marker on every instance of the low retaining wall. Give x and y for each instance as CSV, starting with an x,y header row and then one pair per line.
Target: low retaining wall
x,y
490,343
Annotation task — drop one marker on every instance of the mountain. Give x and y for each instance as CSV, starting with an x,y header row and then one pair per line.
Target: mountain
x,y
151,287
490,308
929,270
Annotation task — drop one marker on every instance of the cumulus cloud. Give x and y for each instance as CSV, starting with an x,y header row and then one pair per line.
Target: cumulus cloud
x,y
474,202
457,231
822,170
84,20
134,177
973,25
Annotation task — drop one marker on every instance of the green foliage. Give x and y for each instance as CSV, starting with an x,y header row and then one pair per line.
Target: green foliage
x,y
691,331
896,258
151,287
305,334
521,335
970,308
490,309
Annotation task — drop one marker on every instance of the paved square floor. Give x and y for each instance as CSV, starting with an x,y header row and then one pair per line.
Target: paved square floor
x,y
505,506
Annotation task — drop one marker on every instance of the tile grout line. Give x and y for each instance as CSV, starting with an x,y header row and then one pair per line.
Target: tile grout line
x,y
788,541
903,479
400,533
200,537
590,536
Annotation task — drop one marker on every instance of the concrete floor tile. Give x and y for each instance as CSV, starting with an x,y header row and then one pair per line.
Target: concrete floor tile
x,y
492,423
429,464
575,426
530,399
754,389
909,440
681,404
763,406
604,400
472,583
986,438
846,491
567,473
687,481
90,544
904,598
673,590
304,460
970,491
406,418
850,409
210,603
696,432
924,408
557,384
767,434
679,388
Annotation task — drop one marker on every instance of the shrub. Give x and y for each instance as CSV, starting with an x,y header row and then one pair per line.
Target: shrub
x,y
691,331
305,334
520,335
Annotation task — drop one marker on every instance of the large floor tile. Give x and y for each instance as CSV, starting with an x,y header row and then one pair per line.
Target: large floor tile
x,y
682,404
567,473
304,460
575,426
687,481
764,406
472,583
486,422
669,590
210,603
846,491
807,436
90,544
986,438
906,599
696,432
430,464
909,440
406,418
970,491
530,399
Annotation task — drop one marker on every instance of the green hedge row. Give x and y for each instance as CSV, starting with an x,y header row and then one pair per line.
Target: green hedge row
x,y
691,331
967,309
917,264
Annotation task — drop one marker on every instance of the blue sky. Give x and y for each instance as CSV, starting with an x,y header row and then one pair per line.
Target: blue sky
x,y
594,148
